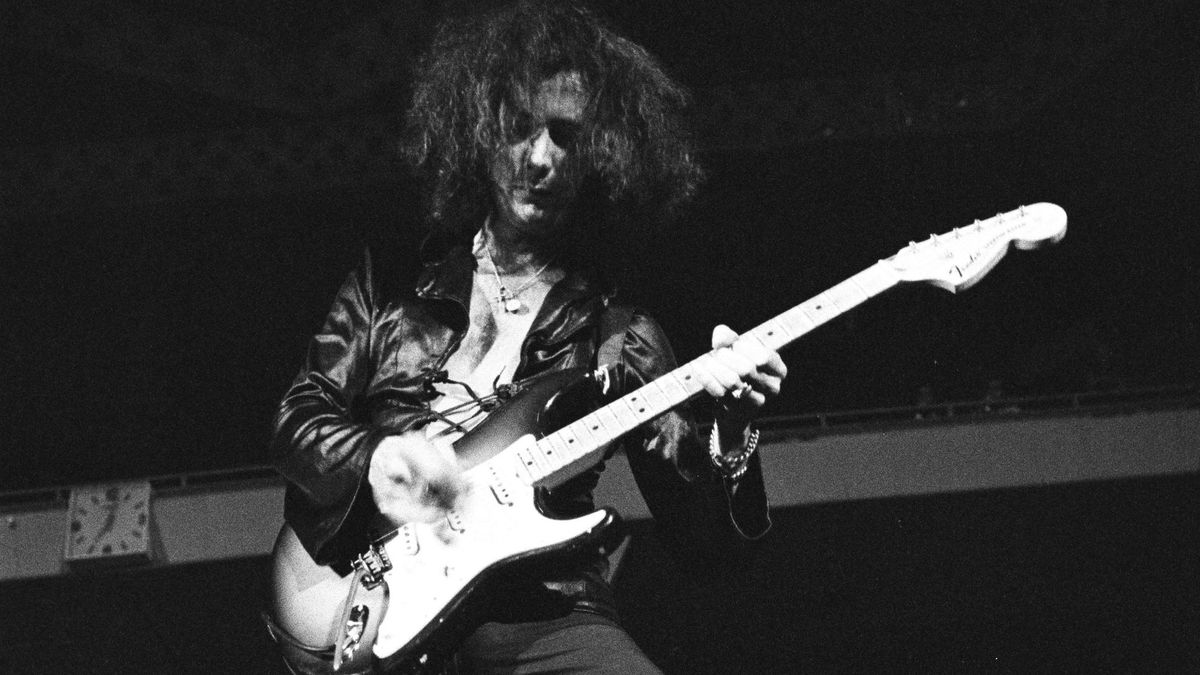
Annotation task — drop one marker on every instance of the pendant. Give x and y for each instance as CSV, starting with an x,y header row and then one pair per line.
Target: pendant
x,y
509,303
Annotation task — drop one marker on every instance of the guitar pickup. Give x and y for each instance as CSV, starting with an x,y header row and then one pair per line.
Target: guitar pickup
x,y
499,491
501,494
408,540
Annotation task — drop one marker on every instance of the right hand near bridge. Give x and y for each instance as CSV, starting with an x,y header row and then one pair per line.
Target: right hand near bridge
x,y
414,479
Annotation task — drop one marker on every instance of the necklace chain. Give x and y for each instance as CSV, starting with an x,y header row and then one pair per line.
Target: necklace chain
x,y
508,299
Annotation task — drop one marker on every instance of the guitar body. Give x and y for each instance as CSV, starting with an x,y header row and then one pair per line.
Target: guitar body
x,y
445,575
309,605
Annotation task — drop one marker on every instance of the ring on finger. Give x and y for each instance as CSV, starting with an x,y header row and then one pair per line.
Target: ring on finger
x,y
740,391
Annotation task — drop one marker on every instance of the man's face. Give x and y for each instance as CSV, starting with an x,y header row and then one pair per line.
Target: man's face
x,y
534,179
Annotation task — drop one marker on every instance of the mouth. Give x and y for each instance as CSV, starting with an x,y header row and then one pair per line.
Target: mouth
x,y
537,195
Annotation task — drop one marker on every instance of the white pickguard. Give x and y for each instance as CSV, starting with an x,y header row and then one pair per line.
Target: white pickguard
x,y
432,562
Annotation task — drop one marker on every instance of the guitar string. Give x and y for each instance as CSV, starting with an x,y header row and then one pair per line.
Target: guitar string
x,y
481,404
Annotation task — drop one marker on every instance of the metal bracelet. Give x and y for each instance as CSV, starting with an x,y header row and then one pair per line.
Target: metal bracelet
x,y
731,466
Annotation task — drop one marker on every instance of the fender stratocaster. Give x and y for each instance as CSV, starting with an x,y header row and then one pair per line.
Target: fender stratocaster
x,y
420,588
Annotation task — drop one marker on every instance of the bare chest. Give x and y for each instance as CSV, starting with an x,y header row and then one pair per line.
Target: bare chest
x,y
490,351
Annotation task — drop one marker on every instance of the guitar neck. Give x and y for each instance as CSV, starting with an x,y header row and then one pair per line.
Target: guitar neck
x,y
560,455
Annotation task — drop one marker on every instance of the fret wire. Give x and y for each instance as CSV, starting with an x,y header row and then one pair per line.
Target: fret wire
x,y
812,313
523,473
761,337
583,431
773,333
610,421
864,282
626,419
818,309
591,422
571,449
829,301
548,459
673,388
798,321
658,400
687,379
533,458
614,420
524,460
562,450
878,278
795,327
637,408
563,453
848,295
677,386
571,442
550,450
603,431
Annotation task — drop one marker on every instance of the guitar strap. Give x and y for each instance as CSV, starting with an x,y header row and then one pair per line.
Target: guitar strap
x,y
614,323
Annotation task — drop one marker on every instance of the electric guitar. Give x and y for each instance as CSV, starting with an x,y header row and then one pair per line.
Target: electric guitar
x,y
422,587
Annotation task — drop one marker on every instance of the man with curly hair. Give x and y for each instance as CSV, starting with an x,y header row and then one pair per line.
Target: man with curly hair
x,y
538,133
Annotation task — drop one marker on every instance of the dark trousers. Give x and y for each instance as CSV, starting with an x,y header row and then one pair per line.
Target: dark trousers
x,y
577,643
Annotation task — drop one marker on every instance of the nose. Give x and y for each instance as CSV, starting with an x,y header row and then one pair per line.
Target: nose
x,y
544,155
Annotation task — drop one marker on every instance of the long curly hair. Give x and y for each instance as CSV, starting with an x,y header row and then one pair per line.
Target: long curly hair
x,y
633,149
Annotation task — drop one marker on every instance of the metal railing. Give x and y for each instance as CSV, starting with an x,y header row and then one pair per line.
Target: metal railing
x,y
1122,401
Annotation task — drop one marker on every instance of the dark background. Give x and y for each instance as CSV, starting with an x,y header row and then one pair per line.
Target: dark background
x,y
186,183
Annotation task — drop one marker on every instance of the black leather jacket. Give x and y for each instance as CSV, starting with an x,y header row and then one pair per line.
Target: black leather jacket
x,y
367,374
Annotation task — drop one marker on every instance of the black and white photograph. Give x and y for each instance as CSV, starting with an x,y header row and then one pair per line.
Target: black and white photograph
x,y
456,337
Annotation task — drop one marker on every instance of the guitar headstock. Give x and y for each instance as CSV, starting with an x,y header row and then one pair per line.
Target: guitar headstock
x,y
958,259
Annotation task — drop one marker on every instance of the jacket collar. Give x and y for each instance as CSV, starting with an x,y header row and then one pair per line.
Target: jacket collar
x,y
573,303
449,278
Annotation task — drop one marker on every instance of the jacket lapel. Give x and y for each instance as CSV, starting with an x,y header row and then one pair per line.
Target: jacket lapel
x,y
572,305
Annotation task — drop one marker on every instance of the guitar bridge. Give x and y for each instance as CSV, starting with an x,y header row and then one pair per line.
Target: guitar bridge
x,y
372,565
